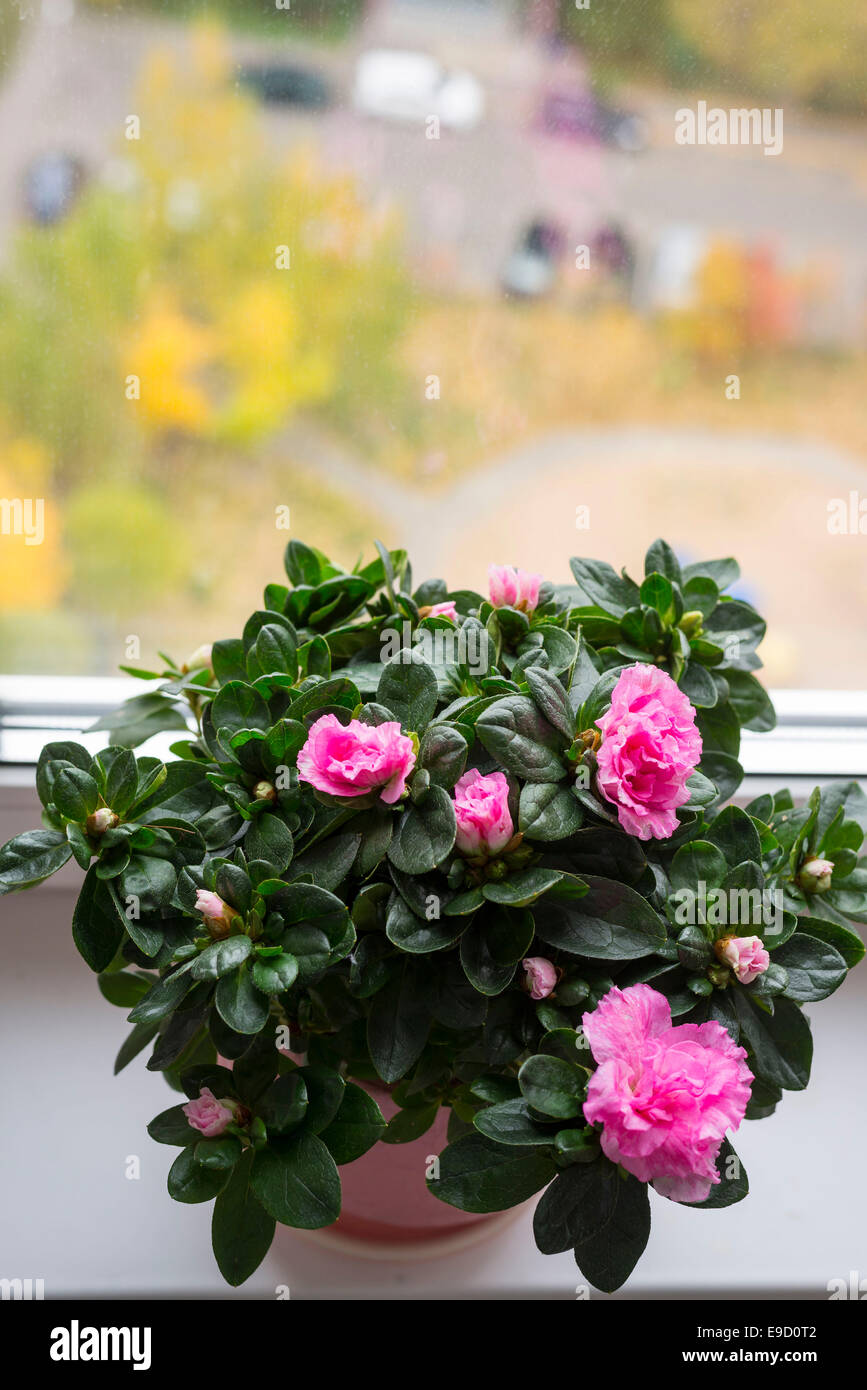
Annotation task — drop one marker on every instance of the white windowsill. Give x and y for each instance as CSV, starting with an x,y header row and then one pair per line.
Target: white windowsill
x,y
820,733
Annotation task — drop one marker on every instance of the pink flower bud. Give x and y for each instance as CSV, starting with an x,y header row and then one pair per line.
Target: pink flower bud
x,y
210,1116
482,813
815,875
745,955
512,588
542,976
100,820
217,914
443,610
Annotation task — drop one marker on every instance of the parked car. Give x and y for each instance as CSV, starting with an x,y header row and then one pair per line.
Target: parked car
x,y
285,84
580,116
51,184
402,86
531,269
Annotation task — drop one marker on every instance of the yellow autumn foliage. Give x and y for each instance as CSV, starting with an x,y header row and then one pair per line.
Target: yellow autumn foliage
x,y
32,576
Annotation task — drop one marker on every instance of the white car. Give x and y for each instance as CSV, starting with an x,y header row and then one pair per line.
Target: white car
x,y
413,87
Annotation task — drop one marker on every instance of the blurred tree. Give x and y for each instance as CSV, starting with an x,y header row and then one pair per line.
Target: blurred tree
x,y
202,289
793,49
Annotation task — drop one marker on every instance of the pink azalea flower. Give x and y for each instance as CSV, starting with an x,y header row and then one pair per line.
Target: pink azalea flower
x,y
354,759
649,750
513,588
746,955
664,1095
482,813
541,975
209,1115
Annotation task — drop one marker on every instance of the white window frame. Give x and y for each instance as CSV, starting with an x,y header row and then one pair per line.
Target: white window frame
x,y
820,734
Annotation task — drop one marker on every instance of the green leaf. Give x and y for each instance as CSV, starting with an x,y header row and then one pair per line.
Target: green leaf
x,y
302,565
269,838
724,573
848,943
283,1105
240,1004
480,1176
523,742
120,778
417,936
135,1042
550,697
356,1127
151,881
734,833
510,1122
190,1182
733,1185
325,1091
815,968
273,652
75,793
241,1229
221,957
488,976
237,706
604,586
425,834
698,685
612,922
443,754
552,1085
97,928
661,559
508,934
657,592
608,1258
171,1127
698,861
548,811
399,1022
32,857
781,1043
735,626
276,974
122,988
751,701
522,888
408,687
410,1124
297,1182
329,861
164,998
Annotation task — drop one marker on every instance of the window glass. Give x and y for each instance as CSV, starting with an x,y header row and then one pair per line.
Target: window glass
x,y
495,282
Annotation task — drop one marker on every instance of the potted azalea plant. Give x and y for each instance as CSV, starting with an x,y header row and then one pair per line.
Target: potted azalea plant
x,y
460,876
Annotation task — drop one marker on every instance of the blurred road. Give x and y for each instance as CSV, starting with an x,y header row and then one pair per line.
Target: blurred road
x,y
468,196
